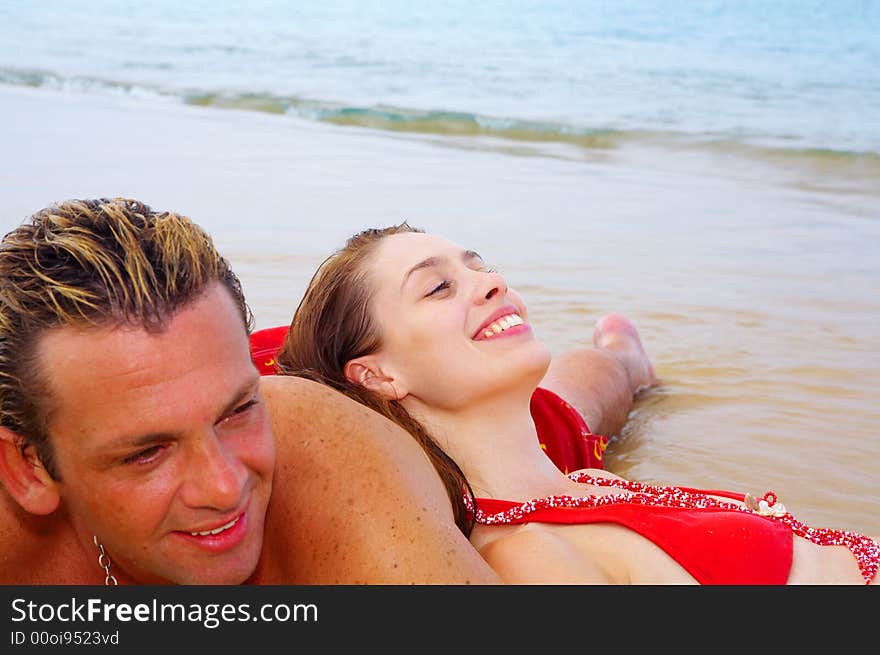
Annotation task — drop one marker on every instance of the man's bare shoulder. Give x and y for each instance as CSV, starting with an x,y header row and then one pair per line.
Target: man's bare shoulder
x,y
314,420
355,499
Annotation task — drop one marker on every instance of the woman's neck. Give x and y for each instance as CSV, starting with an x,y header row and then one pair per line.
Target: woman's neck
x,y
495,443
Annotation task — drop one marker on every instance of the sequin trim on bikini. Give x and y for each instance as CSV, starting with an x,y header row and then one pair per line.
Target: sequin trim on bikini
x,y
864,549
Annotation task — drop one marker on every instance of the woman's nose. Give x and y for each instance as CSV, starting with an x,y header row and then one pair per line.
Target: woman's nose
x,y
490,285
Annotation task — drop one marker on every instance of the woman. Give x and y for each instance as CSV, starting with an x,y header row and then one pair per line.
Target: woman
x,y
420,330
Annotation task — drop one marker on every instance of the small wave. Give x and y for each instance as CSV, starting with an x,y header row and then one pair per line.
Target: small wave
x,y
28,78
245,102
445,123
80,84
859,167
427,122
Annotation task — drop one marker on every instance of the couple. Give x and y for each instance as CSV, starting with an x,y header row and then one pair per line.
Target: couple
x,y
140,445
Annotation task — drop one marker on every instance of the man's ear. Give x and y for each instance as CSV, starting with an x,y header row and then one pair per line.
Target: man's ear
x,y
366,372
25,477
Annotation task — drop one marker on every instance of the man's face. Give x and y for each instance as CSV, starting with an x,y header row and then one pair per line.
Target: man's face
x,y
163,444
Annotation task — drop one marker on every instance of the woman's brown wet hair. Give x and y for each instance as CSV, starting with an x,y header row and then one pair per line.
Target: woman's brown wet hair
x,y
333,325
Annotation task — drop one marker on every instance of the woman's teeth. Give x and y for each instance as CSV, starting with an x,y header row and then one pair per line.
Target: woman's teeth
x,y
503,323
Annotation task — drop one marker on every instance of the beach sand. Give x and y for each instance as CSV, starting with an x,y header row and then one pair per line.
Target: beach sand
x,y
753,282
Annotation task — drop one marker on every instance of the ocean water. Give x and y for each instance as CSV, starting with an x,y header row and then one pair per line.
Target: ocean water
x,y
802,76
710,169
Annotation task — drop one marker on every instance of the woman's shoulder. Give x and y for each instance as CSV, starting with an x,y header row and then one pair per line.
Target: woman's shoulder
x,y
538,554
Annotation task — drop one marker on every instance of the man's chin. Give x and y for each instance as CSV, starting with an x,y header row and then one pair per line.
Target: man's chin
x,y
211,573
225,577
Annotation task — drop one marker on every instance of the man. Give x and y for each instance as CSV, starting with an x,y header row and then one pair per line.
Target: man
x,y
136,436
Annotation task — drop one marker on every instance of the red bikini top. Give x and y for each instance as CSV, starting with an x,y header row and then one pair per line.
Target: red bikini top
x,y
716,541
715,546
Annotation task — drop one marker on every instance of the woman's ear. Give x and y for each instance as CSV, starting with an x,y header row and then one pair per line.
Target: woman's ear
x,y
25,477
366,372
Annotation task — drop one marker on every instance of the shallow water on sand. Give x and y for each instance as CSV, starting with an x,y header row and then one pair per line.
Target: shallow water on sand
x,y
753,282
755,296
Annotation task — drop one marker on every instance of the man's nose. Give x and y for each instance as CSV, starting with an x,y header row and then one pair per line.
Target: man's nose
x,y
215,478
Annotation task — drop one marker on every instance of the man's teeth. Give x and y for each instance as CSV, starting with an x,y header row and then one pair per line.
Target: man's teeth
x,y
509,321
217,530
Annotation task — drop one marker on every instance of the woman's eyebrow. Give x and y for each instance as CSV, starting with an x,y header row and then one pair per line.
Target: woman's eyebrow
x,y
425,263
466,256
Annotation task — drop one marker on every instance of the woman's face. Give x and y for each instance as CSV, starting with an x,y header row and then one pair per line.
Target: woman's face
x,y
452,331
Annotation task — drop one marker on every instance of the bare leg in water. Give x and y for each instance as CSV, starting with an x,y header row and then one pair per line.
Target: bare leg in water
x,y
602,382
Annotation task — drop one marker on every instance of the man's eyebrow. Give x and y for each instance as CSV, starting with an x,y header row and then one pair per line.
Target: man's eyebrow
x,y
139,441
466,256
246,390
151,438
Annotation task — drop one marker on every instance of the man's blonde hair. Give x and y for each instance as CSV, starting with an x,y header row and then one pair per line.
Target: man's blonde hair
x,y
93,263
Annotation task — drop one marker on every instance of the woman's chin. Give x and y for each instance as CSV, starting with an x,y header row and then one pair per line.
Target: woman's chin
x,y
531,365
540,359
